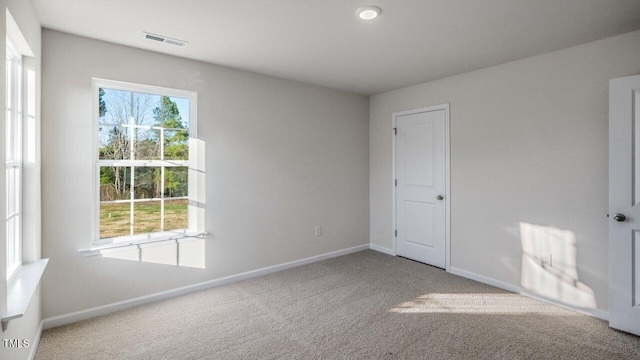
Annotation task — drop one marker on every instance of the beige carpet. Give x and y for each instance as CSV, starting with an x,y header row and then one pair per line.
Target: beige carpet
x,y
365,305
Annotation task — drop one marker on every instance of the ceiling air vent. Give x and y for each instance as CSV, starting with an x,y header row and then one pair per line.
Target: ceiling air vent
x,y
163,39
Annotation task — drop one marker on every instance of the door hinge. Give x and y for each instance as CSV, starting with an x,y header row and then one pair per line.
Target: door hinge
x,y
396,233
396,182
395,131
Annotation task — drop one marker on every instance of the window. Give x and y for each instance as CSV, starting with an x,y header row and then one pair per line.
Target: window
x,y
13,159
143,162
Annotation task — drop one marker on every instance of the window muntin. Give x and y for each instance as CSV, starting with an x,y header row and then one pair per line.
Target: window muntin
x,y
13,159
142,161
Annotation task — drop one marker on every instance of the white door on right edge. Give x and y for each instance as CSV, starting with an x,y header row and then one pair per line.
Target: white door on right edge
x,y
420,190
624,204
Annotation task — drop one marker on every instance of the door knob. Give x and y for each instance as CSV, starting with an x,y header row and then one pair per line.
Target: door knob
x,y
619,217
439,197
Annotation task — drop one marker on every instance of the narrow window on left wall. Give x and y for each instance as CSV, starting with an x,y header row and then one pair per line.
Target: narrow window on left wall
x,y
13,159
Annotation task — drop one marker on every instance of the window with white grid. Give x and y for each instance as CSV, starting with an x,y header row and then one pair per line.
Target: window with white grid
x,y
143,158
13,159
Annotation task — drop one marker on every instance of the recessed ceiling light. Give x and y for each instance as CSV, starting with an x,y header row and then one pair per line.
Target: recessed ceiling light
x,y
368,12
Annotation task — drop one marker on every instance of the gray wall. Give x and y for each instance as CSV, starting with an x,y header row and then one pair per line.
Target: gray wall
x,y
529,149
281,157
27,326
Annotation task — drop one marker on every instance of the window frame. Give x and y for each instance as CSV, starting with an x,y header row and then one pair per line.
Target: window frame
x,y
193,225
14,155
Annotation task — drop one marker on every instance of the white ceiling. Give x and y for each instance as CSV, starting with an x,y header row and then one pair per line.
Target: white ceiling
x,y
323,42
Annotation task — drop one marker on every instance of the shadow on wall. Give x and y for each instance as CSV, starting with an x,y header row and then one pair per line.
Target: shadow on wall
x,y
549,266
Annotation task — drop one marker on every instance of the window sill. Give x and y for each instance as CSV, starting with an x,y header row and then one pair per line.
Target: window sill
x,y
161,239
20,290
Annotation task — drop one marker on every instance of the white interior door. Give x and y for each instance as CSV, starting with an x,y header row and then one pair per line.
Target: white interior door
x,y
420,162
624,204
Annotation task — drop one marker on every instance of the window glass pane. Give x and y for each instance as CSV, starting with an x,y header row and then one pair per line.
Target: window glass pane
x,y
147,139
176,214
114,106
115,203
176,182
170,113
15,250
115,219
176,192
176,144
11,191
183,107
148,182
115,183
17,188
173,116
19,90
11,243
114,142
147,144
9,82
9,136
7,190
148,207
144,108
147,217
114,119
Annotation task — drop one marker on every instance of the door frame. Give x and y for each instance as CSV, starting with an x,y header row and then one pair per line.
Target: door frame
x,y
447,195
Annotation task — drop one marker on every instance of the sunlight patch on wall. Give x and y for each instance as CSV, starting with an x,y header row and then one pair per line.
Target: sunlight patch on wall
x,y
477,304
549,257
176,253
197,181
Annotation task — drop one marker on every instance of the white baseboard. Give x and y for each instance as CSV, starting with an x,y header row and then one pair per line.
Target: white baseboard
x,y
127,304
382,249
519,290
36,341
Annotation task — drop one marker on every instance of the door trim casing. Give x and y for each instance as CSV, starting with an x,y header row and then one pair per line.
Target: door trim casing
x,y
447,195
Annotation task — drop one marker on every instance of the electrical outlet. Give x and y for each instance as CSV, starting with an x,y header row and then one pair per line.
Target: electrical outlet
x,y
318,230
